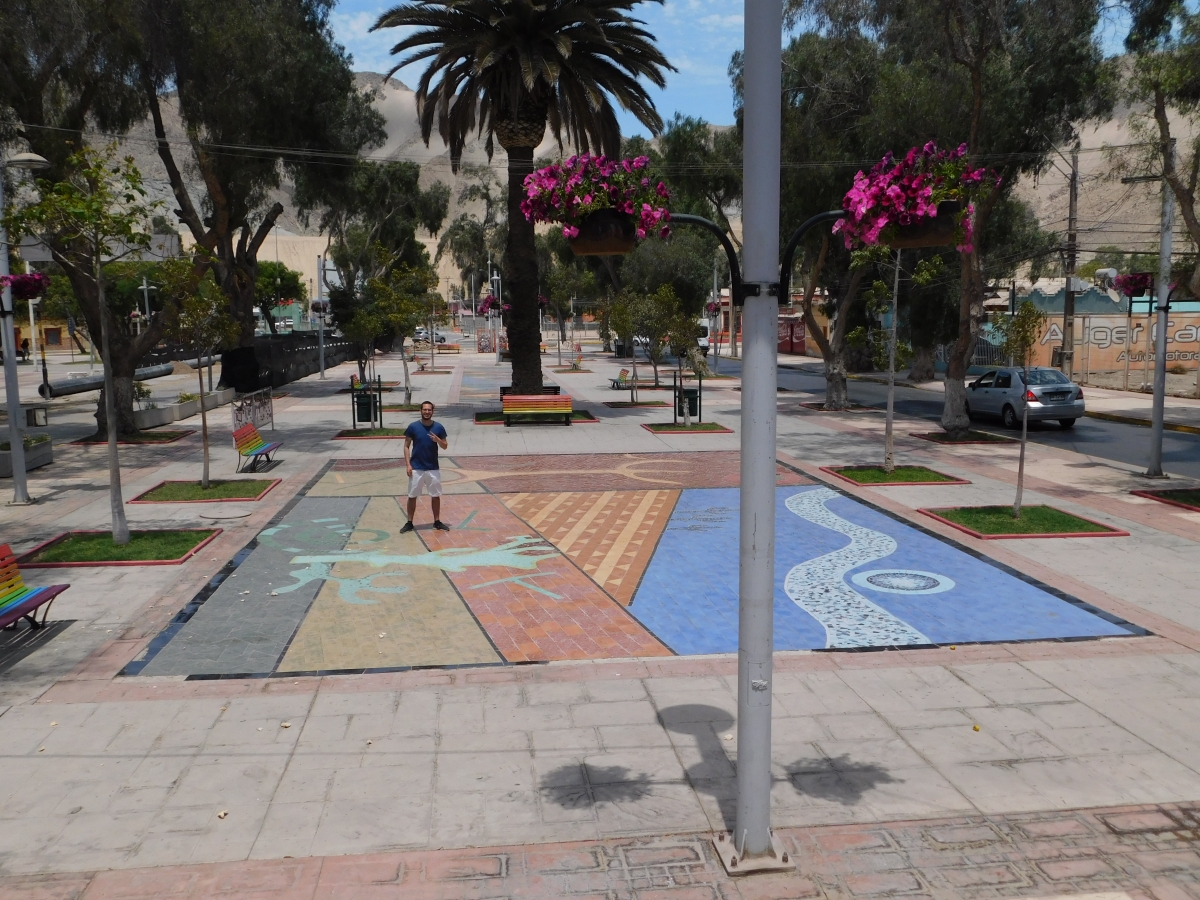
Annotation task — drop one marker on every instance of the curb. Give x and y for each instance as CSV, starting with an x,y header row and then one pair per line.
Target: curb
x,y
1144,423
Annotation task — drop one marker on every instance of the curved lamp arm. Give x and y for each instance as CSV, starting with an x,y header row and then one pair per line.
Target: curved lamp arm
x,y
789,252
737,289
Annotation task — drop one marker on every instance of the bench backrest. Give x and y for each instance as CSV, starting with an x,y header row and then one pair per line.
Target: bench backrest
x,y
537,402
247,439
11,581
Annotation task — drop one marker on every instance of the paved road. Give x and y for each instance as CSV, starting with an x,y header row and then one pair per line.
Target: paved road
x,y
1093,437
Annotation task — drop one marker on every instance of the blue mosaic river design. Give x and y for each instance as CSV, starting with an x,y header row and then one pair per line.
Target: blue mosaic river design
x,y
688,596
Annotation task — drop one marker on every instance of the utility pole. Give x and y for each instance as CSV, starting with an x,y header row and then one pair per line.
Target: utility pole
x,y
321,315
1068,340
1164,296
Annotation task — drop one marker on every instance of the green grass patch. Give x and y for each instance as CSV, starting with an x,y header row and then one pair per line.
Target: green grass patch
x,y
626,404
901,474
972,437
1189,497
141,437
402,407
143,546
1034,520
180,491
497,418
678,428
371,433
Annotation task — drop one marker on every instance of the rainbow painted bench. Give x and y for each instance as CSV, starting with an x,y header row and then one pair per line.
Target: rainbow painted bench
x,y
538,406
250,445
19,601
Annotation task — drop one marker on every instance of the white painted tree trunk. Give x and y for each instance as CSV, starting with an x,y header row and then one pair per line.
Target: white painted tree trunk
x,y
120,527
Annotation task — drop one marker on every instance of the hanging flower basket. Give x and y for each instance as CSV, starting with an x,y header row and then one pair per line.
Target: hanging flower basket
x,y
925,200
1136,284
25,287
603,205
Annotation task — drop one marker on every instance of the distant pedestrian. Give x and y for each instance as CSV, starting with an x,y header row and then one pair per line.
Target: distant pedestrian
x,y
421,441
24,354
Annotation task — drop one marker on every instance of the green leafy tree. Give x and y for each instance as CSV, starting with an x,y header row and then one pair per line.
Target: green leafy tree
x,y
99,211
683,330
265,75
623,320
654,316
1019,335
401,301
702,166
509,68
472,240
200,321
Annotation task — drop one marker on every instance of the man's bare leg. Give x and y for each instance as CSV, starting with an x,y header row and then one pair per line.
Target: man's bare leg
x,y
412,508
436,502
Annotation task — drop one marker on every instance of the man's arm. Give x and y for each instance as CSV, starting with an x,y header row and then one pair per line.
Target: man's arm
x,y
407,447
441,439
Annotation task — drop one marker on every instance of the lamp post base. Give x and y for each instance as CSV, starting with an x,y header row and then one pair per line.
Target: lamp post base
x,y
29,502
776,860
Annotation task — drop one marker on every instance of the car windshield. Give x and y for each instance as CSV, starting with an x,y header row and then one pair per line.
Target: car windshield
x,y
1047,376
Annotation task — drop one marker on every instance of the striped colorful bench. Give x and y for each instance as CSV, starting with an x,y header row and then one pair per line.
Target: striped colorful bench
x,y
250,445
555,406
19,601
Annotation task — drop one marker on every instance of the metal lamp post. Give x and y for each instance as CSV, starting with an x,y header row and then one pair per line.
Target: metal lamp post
x,y
28,161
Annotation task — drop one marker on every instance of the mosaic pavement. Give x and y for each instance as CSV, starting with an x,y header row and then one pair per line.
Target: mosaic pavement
x,y
583,557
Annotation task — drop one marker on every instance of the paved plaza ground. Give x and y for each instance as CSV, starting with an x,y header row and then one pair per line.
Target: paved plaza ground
x,y
540,702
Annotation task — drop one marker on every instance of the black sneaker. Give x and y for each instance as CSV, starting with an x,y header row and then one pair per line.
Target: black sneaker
x,y
408,526
441,526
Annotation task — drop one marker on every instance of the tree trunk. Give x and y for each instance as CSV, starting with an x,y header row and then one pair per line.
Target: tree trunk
x,y
1021,462
407,383
836,396
203,430
922,368
120,528
955,420
123,392
520,266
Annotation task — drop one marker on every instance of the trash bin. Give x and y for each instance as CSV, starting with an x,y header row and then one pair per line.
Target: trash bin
x,y
364,407
692,395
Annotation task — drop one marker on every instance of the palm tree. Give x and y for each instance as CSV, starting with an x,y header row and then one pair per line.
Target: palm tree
x,y
507,68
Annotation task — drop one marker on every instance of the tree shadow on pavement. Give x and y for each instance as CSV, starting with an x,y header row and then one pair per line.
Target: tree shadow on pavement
x,y
714,773
837,778
580,785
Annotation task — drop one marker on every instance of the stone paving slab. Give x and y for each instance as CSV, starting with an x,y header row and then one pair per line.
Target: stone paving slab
x,y
1122,853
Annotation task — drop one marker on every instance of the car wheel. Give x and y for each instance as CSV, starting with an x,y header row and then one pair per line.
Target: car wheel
x,y
1010,418
1067,423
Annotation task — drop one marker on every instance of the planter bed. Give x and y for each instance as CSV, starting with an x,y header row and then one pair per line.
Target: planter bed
x,y
368,434
570,371
990,523
853,407
39,451
497,418
95,548
1184,498
143,437
400,407
973,437
626,404
875,475
702,428
218,491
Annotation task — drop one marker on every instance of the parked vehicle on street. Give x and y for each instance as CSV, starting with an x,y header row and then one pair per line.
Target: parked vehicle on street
x,y
422,334
1049,394
702,340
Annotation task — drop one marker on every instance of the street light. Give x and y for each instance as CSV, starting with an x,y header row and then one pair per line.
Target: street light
x,y
29,162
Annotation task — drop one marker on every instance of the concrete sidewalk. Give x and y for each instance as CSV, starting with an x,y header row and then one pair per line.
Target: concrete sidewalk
x,y
1080,777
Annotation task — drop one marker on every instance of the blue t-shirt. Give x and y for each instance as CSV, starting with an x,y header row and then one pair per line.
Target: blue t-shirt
x,y
424,451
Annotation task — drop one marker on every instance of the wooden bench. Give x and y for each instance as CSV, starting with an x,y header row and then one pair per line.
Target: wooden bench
x,y
19,601
449,348
506,389
539,406
251,446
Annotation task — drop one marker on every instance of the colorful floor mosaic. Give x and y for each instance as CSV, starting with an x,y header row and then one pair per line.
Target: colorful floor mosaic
x,y
584,557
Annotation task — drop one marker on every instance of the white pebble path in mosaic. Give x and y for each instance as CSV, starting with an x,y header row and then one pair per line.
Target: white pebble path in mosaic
x,y
819,586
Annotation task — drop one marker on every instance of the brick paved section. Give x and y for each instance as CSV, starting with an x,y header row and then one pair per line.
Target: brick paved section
x,y
1138,853
555,612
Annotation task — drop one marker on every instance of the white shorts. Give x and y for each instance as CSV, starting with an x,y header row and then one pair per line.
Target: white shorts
x,y
429,479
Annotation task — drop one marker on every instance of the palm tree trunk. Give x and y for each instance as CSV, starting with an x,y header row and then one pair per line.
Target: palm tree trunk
x,y
120,528
520,269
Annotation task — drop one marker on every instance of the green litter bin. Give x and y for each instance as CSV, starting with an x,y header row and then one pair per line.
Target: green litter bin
x,y
364,407
692,396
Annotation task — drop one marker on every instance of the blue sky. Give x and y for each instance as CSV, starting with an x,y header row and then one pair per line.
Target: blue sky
x,y
697,36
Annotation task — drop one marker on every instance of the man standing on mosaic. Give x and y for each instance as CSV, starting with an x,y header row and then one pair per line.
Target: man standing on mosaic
x,y
421,441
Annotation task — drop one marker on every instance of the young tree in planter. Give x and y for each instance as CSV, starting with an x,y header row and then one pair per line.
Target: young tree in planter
x,y
1019,334
654,316
622,319
98,212
201,321
399,300
681,338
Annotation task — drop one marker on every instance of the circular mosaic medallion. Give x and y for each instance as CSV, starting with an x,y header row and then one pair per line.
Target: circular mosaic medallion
x,y
903,581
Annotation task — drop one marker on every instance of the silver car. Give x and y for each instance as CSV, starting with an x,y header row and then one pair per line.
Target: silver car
x,y
1004,393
